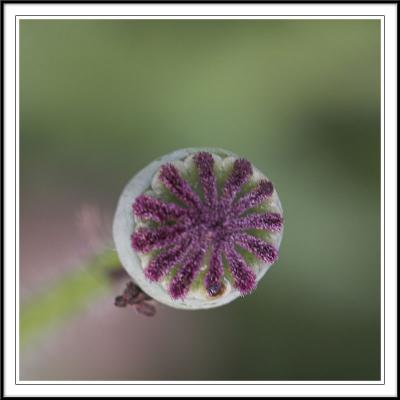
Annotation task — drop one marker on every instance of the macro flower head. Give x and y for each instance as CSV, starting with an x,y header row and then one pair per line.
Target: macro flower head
x,y
207,225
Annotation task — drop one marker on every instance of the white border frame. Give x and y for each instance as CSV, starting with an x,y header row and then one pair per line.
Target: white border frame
x,y
387,386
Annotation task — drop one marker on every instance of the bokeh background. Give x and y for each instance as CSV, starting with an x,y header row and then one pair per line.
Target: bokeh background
x,y
100,99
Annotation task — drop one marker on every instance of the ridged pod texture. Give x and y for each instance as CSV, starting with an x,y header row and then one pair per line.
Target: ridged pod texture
x,y
202,227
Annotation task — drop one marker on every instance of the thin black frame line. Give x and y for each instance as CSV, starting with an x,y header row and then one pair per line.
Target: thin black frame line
x,y
196,2
199,15
202,384
384,215
15,191
219,384
3,97
200,2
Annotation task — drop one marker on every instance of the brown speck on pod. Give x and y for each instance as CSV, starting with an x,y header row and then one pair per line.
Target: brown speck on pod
x,y
216,290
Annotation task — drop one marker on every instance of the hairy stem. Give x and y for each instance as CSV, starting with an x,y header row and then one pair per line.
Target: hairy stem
x,y
68,296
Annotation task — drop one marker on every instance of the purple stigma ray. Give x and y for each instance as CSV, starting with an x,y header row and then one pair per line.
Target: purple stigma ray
x,y
214,225
150,208
244,276
146,239
254,198
271,222
212,281
241,172
183,279
160,265
169,175
262,250
205,166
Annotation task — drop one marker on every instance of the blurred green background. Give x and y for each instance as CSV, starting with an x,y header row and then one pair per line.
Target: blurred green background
x,y
100,99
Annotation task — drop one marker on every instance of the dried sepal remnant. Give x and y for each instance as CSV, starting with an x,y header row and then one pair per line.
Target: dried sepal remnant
x,y
134,296
205,226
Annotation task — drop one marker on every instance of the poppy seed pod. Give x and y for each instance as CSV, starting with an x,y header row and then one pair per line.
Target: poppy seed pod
x,y
198,228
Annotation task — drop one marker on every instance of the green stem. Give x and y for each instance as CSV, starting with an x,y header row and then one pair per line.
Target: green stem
x,y
68,296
